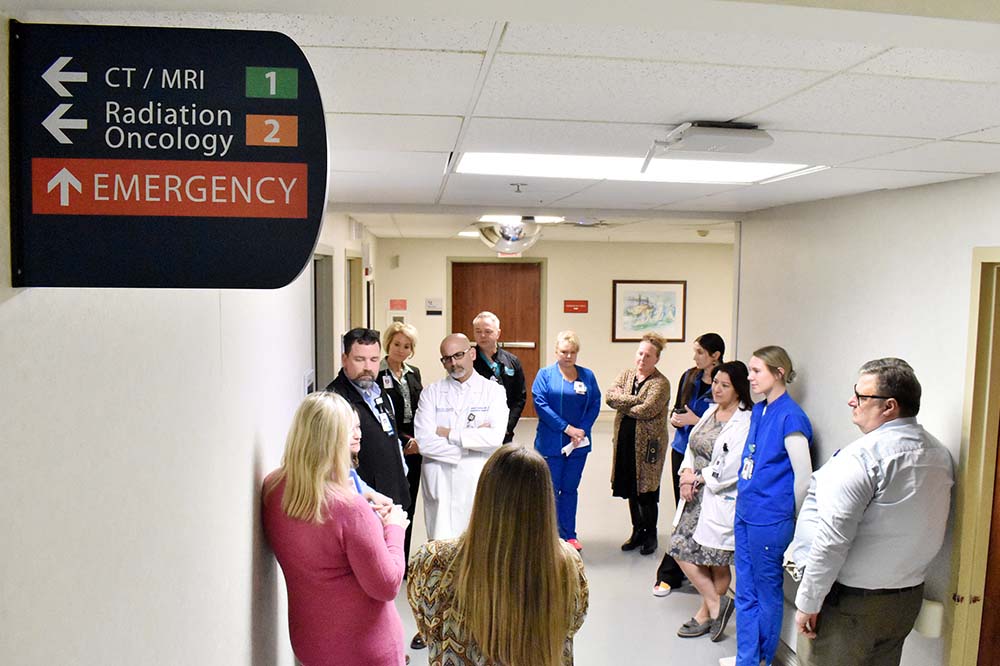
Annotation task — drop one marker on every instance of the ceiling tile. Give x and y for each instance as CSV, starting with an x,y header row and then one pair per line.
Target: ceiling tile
x,y
392,133
957,156
753,50
828,149
629,195
385,178
822,185
859,104
516,135
496,190
394,82
387,32
630,91
935,64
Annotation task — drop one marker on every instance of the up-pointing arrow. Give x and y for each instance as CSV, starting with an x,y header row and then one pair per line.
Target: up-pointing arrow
x,y
64,180
55,123
55,76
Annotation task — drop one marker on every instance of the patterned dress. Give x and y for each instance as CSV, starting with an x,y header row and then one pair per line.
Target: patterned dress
x,y
431,591
682,543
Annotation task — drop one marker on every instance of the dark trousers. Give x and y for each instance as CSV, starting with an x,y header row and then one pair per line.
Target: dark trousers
x,y
644,511
413,479
861,627
669,571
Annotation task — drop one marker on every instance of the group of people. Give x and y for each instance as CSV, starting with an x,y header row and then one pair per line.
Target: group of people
x,y
501,580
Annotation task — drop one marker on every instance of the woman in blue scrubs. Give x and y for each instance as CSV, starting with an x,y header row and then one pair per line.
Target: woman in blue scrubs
x,y
773,480
567,401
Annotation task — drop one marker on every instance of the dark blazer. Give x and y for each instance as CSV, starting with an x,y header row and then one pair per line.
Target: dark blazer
x,y
379,462
411,383
512,379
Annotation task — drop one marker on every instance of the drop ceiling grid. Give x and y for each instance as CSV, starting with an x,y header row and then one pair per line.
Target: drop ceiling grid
x,y
641,195
350,131
496,190
955,156
952,65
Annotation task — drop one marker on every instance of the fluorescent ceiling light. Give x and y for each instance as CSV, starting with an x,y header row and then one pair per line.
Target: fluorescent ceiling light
x,y
795,174
592,167
468,234
512,219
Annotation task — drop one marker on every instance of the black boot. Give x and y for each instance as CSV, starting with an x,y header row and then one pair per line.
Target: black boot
x,y
635,513
649,542
635,540
649,513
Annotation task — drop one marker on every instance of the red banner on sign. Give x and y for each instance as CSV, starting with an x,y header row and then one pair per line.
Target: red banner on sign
x,y
575,306
168,188
397,303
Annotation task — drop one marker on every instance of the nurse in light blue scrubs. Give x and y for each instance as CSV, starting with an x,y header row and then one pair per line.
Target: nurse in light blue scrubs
x,y
773,480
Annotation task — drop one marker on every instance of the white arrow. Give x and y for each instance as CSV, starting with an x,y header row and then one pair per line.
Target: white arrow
x,y
55,77
55,123
64,180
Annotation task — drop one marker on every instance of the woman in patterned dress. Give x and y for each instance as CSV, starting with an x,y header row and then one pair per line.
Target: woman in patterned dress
x,y
508,591
702,542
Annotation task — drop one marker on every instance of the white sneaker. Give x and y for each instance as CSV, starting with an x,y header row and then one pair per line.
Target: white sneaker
x,y
661,590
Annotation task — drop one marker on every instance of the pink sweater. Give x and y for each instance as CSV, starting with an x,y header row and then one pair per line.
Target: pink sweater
x,y
342,577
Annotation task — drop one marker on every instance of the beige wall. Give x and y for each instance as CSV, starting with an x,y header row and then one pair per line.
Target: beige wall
x,y
576,271
843,281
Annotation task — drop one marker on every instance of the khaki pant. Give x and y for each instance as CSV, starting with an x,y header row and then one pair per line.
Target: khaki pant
x,y
861,629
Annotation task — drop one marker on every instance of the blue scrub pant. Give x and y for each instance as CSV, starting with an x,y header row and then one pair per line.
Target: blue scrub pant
x,y
759,598
566,473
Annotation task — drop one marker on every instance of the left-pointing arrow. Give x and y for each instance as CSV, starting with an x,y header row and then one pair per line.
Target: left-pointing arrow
x,y
55,123
55,76
64,180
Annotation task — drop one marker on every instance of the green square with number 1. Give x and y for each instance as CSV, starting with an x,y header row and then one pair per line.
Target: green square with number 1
x,y
273,82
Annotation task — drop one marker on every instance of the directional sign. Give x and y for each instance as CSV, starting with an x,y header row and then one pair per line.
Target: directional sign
x,y
162,157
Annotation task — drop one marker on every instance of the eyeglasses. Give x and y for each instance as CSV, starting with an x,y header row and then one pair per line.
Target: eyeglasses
x,y
457,356
858,397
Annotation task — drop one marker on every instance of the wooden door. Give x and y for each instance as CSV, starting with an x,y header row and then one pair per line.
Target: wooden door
x,y
989,644
511,291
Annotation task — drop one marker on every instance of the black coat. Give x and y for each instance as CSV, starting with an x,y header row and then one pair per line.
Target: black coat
x,y
380,464
512,379
413,384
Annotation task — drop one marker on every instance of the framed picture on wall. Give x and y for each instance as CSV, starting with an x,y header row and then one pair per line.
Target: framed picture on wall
x,y
643,306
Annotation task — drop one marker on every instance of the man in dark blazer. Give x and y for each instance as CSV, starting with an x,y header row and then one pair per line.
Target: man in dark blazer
x,y
380,462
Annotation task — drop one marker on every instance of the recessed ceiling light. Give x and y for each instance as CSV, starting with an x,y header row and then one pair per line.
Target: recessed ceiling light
x,y
592,167
511,219
468,234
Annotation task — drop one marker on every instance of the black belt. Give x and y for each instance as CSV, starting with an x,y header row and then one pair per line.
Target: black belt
x,y
864,592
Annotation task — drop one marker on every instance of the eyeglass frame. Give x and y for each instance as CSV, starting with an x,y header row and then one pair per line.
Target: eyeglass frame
x,y
454,358
859,396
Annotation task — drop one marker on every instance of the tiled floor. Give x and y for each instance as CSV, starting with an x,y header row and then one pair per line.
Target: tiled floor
x,y
625,621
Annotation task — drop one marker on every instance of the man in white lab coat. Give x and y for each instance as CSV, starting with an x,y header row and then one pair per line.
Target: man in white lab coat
x,y
460,421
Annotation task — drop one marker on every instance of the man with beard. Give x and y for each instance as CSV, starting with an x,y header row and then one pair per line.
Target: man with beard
x,y
380,461
460,421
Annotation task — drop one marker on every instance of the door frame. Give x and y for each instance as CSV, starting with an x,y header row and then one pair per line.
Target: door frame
x,y
977,462
542,291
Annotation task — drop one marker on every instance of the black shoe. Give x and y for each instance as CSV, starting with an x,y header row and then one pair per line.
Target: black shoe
x,y
649,544
634,541
417,643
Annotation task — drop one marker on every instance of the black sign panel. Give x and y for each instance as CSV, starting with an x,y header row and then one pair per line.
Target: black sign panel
x,y
162,157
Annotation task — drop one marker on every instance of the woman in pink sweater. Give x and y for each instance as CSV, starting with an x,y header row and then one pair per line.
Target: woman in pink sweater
x,y
342,558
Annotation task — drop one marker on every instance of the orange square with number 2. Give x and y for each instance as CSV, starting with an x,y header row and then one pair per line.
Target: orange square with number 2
x,y
272,130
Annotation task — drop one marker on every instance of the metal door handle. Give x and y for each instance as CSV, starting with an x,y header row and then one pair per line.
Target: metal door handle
x,y
517,345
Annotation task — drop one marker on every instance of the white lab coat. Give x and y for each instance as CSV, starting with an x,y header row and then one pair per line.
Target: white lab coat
x,y
718,499
476,412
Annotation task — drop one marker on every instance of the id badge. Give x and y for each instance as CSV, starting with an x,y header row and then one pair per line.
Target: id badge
x,y
747,471
580,387
386,381
493,378
383,418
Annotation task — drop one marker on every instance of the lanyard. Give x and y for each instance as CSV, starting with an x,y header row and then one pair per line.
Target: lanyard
x,y
494,366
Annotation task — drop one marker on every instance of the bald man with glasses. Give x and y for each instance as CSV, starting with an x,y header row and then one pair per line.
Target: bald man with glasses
x,y
873,520
460,421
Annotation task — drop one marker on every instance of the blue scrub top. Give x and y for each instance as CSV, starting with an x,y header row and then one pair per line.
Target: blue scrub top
x,y
699,402
768,496
558,403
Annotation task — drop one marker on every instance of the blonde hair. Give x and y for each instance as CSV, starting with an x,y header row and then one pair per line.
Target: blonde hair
x,y
656,341
778,362
516,585
569,337
409,330
317,461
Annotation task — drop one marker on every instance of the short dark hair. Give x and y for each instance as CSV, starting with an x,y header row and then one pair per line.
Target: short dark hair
x,y
895,379
712,342
361,336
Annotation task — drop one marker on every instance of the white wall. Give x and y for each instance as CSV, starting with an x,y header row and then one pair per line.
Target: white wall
x,y
843,281
136,426
573,270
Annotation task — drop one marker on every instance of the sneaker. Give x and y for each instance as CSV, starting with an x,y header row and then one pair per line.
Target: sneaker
x,y
661,589
692,628
576,544
726,608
